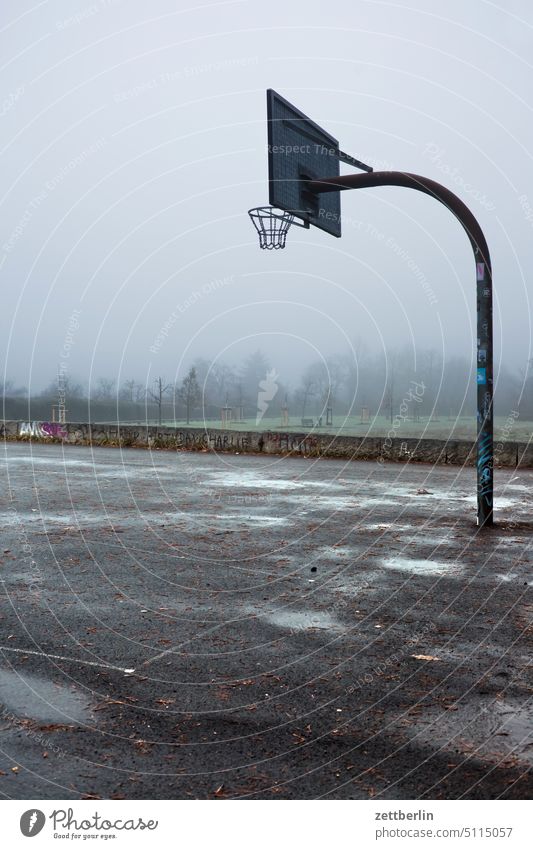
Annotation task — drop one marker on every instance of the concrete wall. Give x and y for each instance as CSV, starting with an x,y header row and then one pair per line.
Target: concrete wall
x,y
308,445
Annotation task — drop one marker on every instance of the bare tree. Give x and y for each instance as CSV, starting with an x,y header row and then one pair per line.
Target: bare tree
x,y
105,388
308,386
69,387
140,393
130,390
391,383
9,390
330,377
222,380
157,395
253,371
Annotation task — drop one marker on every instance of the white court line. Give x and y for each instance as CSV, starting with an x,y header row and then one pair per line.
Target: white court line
x,y
69,659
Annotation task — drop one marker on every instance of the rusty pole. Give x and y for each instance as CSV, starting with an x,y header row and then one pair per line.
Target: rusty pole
x,y
485,424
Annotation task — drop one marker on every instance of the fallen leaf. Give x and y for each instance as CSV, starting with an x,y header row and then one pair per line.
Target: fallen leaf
x,y
107,702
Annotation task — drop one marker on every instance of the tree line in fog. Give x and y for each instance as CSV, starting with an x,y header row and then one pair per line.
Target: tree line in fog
x,y
335,385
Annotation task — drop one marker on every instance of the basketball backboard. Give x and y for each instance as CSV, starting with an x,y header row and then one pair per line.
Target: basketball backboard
x,y
300,150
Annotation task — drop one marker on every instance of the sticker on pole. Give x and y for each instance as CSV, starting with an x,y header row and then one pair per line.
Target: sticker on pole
x,y
480,271
481,376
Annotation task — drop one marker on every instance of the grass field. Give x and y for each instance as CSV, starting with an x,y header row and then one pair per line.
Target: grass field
x,y
444,428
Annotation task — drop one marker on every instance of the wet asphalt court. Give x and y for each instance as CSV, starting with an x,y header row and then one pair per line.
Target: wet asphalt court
x,y
186,625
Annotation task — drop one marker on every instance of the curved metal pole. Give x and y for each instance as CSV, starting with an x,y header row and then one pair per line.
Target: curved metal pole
x,y
485,424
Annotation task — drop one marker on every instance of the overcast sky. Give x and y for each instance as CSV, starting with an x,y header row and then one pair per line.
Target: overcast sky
x,y
134,141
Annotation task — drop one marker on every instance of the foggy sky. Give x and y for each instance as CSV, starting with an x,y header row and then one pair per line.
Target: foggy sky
x,y
134,141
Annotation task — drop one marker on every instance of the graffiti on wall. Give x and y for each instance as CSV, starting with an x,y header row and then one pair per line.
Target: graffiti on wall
x,y
43,430
292,442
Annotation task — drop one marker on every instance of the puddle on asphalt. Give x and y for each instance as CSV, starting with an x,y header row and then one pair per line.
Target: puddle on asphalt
x,y
110,521
350,502
500,503
54,462
249,482
254,480
328,552
28,578
514,542
233,521
431,540
102,471
512,576
358,585
411,490
490,731
422,567
299,620
237,477
250,521
412,535
514,724
74,521
518,487
376,502
35,698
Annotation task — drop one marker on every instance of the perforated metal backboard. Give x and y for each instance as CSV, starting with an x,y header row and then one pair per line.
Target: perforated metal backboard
x,y
300,150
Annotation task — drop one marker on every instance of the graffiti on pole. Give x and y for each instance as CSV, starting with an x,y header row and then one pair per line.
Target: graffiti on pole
x,y
484,467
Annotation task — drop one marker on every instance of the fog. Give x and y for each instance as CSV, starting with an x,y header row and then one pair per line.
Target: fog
x,y
134,142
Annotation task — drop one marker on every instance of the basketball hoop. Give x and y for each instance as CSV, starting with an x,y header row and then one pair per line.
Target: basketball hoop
x,y
272,226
